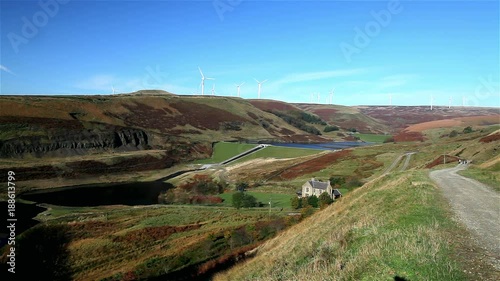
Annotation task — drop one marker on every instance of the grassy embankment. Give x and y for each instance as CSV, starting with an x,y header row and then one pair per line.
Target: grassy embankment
x,y
225,150
373,137
120,242
489,175
396,225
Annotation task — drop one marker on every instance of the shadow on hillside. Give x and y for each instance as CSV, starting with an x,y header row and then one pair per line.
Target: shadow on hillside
x,y
397,278
42,250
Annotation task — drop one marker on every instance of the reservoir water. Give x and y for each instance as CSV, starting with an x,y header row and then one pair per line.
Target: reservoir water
x,y
136,193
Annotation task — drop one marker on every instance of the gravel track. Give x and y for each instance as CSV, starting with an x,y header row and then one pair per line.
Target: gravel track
x,y
475,205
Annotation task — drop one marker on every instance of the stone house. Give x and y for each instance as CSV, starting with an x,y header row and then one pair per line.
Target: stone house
x,y
316,187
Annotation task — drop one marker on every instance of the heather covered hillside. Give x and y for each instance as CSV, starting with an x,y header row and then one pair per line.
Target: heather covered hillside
x,y
76,125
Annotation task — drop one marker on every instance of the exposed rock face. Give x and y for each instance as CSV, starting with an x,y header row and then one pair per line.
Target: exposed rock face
x,y
75,143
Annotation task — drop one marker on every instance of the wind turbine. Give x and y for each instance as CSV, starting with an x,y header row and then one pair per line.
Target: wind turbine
x,y
331,96
238,87
432,100
318,98
260,84
449,102
113,88
203,81
213,90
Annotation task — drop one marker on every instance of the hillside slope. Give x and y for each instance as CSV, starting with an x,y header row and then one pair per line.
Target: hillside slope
x,y
389,119
347,117
392,227
73,125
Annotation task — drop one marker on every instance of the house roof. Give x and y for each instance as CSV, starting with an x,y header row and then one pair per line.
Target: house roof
x,y
336,192
318,184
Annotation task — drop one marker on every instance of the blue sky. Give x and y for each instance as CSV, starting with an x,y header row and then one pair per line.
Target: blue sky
x,y
368,51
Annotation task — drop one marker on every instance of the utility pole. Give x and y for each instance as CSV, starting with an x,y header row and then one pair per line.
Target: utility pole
x,y
270,207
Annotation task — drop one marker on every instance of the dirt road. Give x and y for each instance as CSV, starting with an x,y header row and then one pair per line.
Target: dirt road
x,y
476,205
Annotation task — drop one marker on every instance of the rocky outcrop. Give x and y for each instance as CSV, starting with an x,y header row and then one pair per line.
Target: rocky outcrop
x,y
75,143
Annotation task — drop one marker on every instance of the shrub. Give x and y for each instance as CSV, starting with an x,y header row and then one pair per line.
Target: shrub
x,y
336,181
453,134
325,200
296,202
331,129
307,211
303,202
241,186
353,183
243,200
468,130
389,139
313,201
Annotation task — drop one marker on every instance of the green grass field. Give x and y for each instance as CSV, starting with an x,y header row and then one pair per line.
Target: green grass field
x,y
373,137
278,200
226,150
279,152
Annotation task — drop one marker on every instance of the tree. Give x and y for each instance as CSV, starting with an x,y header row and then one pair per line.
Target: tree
x,y
336,181
329,128
249,201
238,199
324,200
296,202
468,130
243,200
241,186
313,201
303,202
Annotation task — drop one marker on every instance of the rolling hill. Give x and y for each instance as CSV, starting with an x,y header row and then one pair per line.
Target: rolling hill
x,y
76,125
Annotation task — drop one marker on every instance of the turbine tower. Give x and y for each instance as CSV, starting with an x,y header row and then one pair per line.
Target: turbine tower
x,y
238,88
432,100
203,81
449,102
331,96
260,86
113,88
318,98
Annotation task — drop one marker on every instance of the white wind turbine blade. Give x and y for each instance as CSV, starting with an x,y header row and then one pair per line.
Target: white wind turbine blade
x,y
263,81
202,76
